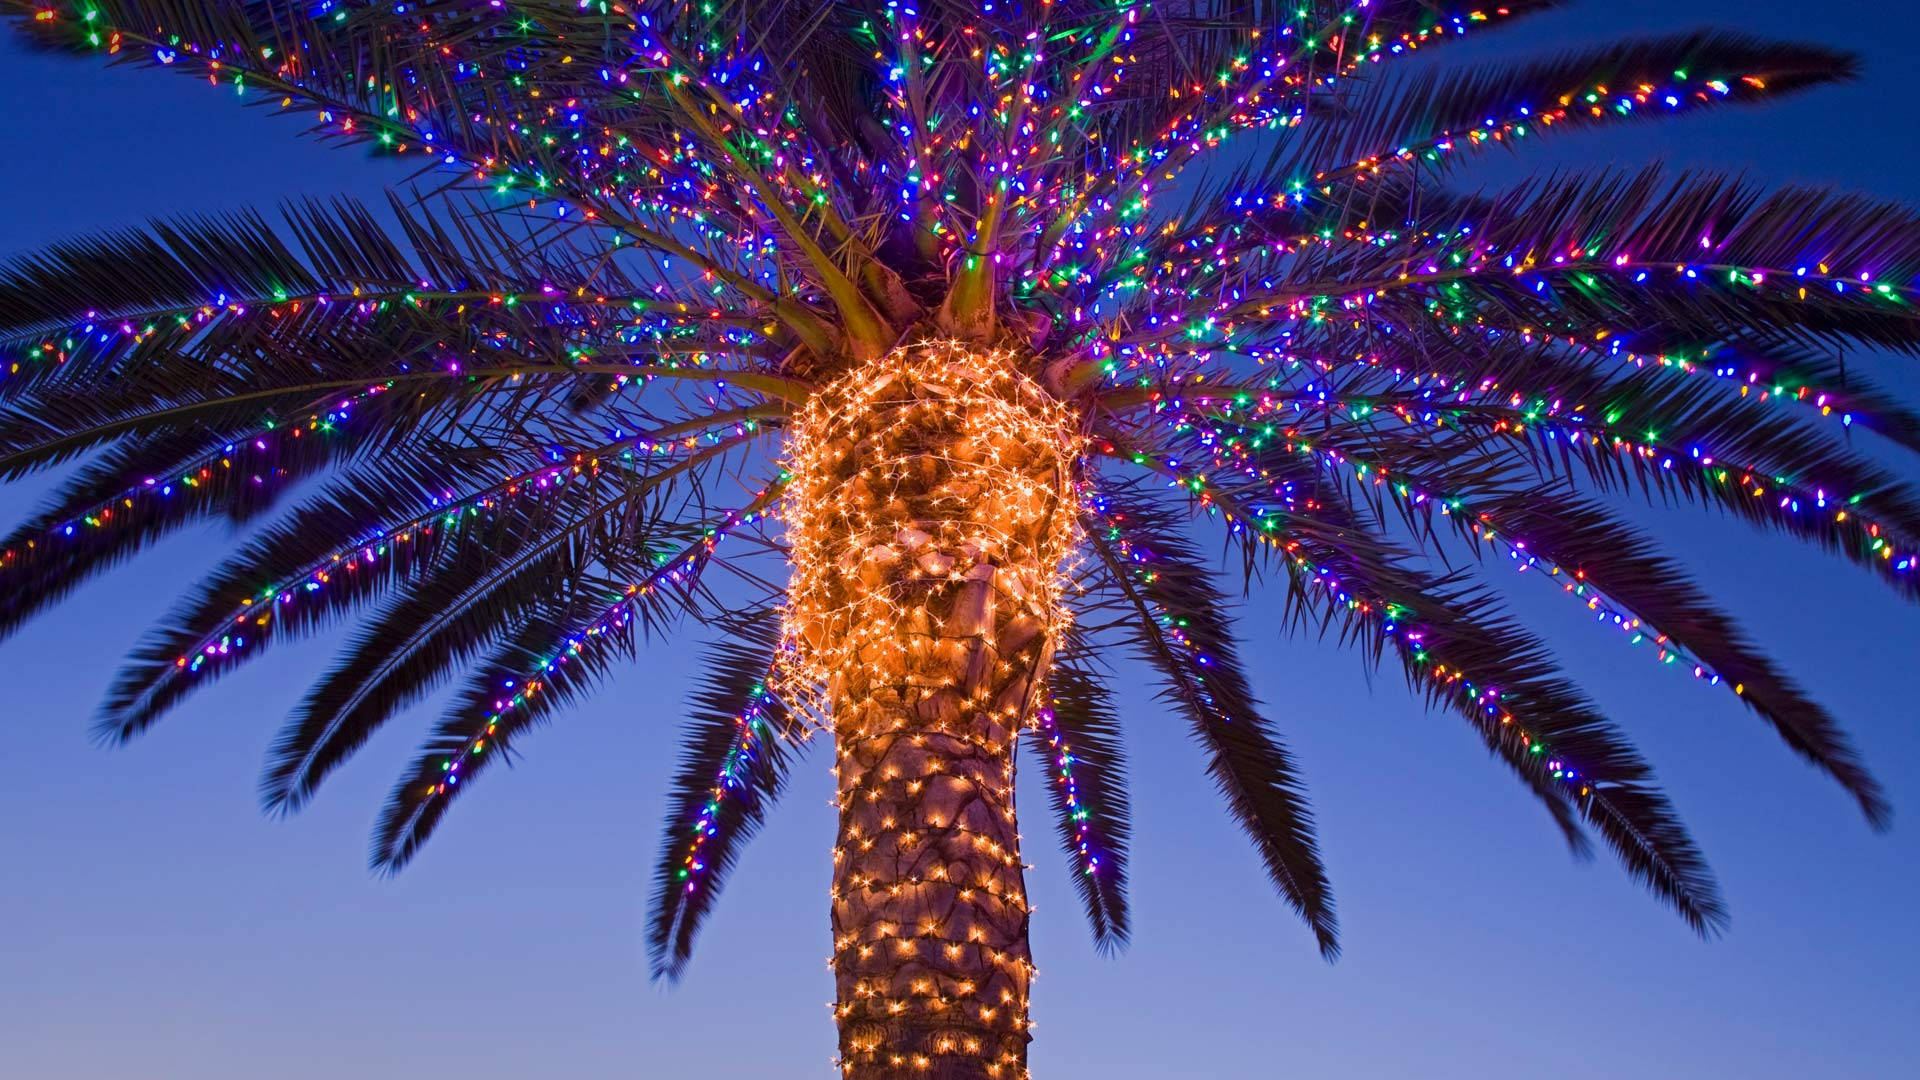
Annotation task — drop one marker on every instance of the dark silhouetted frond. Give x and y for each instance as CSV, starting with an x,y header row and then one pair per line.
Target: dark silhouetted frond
x,y
1181,629
1612,563
1077,748
472,598
1436,116
551,659
505,422
738,742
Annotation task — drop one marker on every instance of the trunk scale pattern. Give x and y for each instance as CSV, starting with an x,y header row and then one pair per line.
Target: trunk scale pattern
x,y
931,512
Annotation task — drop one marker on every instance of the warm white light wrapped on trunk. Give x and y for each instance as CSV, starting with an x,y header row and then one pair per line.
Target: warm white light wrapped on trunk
x,y
931,513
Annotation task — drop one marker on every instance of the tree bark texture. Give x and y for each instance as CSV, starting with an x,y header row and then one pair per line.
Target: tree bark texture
x,y
927,553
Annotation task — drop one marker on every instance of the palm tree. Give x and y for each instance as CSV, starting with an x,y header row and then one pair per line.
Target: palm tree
x,y
893,300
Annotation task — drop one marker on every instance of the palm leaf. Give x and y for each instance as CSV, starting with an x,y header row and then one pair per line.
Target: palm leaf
x,y
437,622
1181,630
732,769
1625,567
551,660
1460,650
1078,750
646,233
1414,118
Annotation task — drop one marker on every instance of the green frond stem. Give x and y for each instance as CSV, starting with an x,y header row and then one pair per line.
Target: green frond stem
x,y
910,102
858,315
972,298
1085,83
817,198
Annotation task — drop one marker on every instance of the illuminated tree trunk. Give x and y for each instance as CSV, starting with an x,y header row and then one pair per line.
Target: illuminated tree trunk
x,y
931,508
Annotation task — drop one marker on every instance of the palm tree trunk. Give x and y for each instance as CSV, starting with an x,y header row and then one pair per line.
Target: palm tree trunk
x,y
931,964
931,509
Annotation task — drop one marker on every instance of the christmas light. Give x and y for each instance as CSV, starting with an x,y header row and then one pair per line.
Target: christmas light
x,y
923,262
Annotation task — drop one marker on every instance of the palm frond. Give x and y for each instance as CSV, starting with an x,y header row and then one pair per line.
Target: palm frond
x,y
550,661
1436,116
645,233
466,603
737,746
1607,557
141,490
1460,650
1181,629
318,561
1710,254
1485,499
1079,752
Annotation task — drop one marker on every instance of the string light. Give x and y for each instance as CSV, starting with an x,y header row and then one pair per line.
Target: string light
x,y
929,546
954,364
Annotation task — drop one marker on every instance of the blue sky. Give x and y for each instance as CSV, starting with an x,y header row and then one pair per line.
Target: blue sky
x,y
157,925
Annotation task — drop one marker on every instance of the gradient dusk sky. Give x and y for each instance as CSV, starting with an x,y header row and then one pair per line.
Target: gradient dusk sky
x,y
154,924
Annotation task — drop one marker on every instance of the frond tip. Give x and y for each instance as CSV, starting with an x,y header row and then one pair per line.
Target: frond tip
x,y
731,773
1079,752
1179,626
512,403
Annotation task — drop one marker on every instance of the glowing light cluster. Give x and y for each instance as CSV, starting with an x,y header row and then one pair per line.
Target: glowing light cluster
x,y
927,248
929,538
1395,622
678,571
